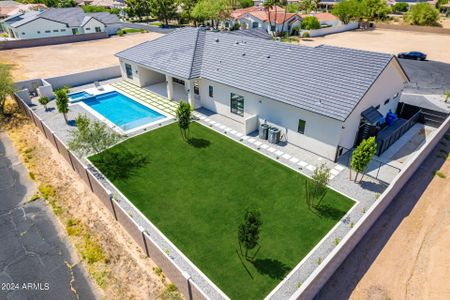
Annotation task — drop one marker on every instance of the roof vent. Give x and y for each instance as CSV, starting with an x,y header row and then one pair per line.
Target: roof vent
x,y
237,42
268,56
217,40
243,54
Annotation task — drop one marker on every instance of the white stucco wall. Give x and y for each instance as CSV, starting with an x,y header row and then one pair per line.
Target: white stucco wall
x,y
89,27
389,83
141,76
321,133
42,25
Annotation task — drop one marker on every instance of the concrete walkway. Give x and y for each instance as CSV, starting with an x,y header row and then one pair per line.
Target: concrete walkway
x,y
36,260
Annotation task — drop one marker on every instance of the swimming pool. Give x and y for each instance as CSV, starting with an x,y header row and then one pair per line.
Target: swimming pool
x,y
122,111
79,96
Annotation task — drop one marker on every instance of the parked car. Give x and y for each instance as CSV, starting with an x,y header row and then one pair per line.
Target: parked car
x,y
413,55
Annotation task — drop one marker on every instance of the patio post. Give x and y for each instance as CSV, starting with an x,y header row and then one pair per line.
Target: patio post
x,y
189,86
169,84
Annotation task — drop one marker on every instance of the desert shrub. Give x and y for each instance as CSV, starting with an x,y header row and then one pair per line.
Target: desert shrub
x,y
310,23
400,7
422,14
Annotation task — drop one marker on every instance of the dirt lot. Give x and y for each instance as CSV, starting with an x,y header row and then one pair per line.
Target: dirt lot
x,y
436,46
119,266
405,255
56,60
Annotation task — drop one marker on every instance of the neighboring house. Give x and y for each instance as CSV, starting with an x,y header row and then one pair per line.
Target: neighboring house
x,y
102,3
56,22
318,96
257,17
12,8
325,19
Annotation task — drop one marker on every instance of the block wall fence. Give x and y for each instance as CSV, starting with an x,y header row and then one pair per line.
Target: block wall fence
x,y
181,279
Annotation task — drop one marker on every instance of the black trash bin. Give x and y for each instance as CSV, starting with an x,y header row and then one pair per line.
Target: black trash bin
x,y
263,131
274,135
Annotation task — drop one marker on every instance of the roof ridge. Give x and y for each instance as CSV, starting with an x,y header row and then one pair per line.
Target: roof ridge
x,y
196,48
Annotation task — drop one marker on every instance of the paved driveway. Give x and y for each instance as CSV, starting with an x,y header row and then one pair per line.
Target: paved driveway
x,y
34,254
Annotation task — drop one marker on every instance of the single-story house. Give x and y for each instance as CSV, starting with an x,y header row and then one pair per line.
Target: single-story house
x,y
278,21
319,97
325,19
56,22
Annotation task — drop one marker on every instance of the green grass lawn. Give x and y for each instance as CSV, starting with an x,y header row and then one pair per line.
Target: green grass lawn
x,y
197,193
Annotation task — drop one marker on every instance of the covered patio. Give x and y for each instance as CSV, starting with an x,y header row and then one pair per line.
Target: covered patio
x,y
179,91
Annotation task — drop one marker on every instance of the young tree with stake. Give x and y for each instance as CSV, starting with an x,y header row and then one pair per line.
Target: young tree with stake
x,y
316,188
248,231
184,112
362,156
62,102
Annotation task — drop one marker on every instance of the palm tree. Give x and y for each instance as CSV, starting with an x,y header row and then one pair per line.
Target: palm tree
x,y
268,6
284,3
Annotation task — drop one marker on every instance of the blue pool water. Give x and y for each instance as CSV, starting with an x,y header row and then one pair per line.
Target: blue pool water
x,y
78,96
123,111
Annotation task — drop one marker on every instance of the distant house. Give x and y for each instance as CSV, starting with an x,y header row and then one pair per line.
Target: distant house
x,y
322,98
12,8
56,22
257,17
102,3
325,19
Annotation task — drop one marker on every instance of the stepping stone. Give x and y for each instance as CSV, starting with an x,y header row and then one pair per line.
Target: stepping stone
x,y
227,129
245,138
218,124
271,149
211,122
311,168
239,134
334,172
319,158
258,144
339,168
302,164
251,141
279,153
286,156
207,120
223,127
331,177
294,160
265,146
233,132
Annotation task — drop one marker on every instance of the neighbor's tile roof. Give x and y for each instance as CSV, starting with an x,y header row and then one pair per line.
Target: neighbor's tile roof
x,y
325,80
237,13
277,16
72,16
323,16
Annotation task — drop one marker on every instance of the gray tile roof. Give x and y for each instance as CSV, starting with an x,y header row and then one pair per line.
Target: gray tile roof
x,y
326,80
72,16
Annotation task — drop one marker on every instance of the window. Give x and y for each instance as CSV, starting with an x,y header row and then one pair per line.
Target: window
x,y
211,91
98,29
386,102
88,28
176,80
255,25
56,30
23,33
396,96
129,70
301,126
47,31
63,30
196,88
39,32
377,107
237,104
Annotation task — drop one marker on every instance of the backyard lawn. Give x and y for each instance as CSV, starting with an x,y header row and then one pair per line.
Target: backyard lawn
x,y
197,193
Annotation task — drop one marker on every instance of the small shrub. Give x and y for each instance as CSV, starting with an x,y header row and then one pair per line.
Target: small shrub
x,y
44,101
32,176
306,35
158,271
171,292
92,251
47,191
319,261
439,174
73,227
101,278
337,241
299,284
120,32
